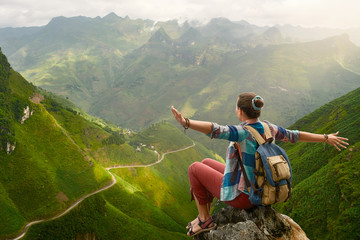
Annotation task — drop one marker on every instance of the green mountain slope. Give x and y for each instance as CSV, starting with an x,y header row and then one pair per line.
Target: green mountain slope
x,y
326,193
42,170
148,202
59,154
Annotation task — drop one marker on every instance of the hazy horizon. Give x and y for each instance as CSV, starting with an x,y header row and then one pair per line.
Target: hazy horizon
x,y
305,13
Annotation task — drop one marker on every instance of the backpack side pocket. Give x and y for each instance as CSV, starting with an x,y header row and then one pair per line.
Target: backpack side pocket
x,y
279,168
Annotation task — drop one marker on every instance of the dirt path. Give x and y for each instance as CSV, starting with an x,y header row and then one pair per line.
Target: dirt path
x,y
113,182
151,164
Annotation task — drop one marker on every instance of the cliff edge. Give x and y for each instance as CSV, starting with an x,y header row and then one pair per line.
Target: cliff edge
x,y
254,224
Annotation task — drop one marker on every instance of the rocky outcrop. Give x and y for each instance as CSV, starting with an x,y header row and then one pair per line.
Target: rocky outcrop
x,y
10,148
254,224
27,114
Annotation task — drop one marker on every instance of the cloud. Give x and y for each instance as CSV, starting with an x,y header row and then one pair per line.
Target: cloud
x,y
335,13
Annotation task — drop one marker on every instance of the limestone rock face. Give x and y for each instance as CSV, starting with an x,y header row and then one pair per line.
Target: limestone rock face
x,y
27,114
10,148
254,224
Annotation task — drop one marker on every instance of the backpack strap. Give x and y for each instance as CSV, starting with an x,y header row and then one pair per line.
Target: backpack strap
x,y
238,154
260,140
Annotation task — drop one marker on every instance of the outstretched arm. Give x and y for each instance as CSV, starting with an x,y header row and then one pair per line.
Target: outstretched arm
x,y
332,139
201,126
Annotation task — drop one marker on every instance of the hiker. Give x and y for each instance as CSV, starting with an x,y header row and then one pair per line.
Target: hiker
x,y
206,177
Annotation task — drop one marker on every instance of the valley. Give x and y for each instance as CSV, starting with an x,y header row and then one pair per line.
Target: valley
x,y
130,72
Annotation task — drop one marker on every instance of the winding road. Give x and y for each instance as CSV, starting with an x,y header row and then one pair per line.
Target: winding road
x,y
113,182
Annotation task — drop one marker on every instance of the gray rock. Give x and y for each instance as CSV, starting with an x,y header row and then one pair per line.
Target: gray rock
x,y
240,230
254,224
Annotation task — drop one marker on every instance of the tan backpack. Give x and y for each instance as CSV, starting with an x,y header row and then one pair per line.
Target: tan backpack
x,y
272,173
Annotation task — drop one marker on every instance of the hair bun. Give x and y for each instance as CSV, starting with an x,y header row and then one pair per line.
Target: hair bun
x,y
259,103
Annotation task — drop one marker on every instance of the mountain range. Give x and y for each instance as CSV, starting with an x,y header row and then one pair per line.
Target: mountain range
x,y
130,71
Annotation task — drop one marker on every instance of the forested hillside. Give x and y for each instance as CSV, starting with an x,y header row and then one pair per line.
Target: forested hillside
x,y
42,170
326,192
52,154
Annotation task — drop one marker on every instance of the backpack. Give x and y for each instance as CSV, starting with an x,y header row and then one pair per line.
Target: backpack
x,y
272,174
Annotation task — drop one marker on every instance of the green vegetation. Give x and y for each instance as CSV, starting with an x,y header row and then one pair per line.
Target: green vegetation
x,y
101,219
60,154
6,128
152,202
326,188
104,143
45,171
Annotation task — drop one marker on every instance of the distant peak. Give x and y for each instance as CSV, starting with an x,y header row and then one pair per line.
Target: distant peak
x,y
111,16
160,36
272,30
57,19
273,34
220,20
242,22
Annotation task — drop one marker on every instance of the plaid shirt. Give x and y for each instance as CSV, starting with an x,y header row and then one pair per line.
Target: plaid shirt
x,y
248,145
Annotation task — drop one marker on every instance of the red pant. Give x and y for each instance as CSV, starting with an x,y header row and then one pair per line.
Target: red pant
x,y
205,181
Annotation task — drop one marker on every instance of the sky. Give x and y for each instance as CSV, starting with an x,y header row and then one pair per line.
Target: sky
x,y
306,13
